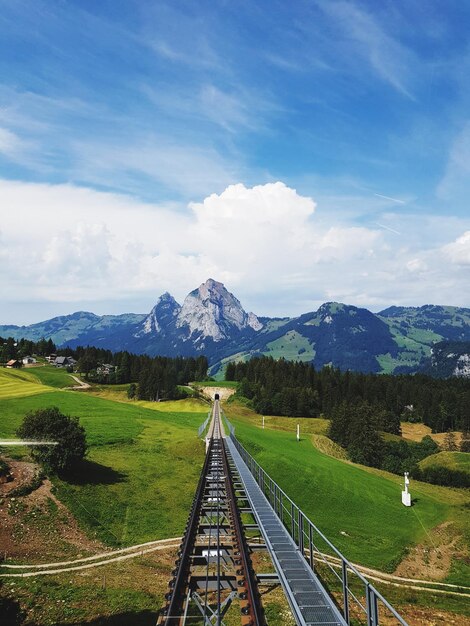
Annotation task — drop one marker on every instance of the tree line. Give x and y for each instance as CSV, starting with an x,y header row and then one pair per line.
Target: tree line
x,y
362,409
12,349
280,387
151,378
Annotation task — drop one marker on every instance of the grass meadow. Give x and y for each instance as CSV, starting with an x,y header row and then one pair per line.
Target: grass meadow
x,y
143,463
359,509
52,376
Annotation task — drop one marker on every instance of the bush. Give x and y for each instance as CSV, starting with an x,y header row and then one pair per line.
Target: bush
x,y
439,475
132,391
51,425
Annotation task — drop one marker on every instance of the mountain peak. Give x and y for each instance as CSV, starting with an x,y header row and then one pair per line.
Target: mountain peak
x,y
212,311
165,297
164,312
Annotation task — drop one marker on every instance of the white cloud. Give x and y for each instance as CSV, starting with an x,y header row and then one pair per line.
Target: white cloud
x,y
266,243
459,250
416,266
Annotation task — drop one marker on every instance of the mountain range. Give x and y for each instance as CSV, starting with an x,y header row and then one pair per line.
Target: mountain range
x,y
212,321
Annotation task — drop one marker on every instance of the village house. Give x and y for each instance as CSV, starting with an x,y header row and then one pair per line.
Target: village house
x,y
14,364
28,360
106,368
64,361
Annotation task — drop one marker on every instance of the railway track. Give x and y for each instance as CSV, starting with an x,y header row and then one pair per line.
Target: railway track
x,y
213,572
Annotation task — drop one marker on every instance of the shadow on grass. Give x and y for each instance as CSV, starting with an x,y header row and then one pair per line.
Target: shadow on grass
x,y
11,615
91,473
10,612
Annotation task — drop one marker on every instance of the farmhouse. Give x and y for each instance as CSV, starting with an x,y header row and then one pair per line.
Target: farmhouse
x,y
29,360
64,361
106,368
13,364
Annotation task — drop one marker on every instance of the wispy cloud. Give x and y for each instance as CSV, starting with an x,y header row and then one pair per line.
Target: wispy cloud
x,y
398,201
392,230
454,185
387,57
10,144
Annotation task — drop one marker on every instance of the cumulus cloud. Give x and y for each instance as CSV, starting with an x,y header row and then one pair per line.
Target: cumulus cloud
x,y
266,243
459,250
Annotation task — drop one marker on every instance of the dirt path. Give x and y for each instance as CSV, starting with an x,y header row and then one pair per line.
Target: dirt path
x,y
81,383
129,553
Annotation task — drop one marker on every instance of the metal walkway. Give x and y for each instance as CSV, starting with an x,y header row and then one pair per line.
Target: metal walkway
x,y
309,602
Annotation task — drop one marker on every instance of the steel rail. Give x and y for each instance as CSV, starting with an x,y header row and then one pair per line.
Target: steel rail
x,y
170,614
215,473
251,604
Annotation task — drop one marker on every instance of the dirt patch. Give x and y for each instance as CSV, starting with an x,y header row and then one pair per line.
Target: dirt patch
x,y
432,560
37,527
415,432
420,616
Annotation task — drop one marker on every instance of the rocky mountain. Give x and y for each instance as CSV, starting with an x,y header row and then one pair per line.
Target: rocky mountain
x,y
448,358
212,321
210,311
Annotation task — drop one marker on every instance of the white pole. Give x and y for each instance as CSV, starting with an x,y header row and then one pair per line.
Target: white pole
x,y
298,432
18,442
263,421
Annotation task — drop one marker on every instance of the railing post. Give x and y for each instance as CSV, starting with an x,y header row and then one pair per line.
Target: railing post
x,y
301,532
344,578
372,607
292,520
310,546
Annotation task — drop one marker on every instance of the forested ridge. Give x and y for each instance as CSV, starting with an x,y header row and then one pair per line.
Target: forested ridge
x,y
280,387
361,408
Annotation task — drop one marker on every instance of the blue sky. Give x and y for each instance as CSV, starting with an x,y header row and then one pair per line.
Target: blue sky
x,y
132,134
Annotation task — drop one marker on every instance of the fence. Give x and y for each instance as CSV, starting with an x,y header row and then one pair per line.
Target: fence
x,y
358,600
203,426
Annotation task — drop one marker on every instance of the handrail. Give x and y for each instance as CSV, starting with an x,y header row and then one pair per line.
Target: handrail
x,y
303,530
203,426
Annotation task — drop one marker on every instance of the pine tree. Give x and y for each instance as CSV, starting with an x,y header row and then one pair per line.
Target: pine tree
x,y
449,442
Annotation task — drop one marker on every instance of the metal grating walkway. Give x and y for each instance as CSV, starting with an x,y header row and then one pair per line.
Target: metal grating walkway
x,y
310,603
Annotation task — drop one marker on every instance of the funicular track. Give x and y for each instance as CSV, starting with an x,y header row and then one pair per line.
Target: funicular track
x,y
213,570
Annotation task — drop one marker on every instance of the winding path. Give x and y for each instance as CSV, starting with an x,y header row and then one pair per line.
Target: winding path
x,y
104,558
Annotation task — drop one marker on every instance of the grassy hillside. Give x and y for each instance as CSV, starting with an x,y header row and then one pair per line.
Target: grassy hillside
x,y
359,509
17,384
452,460
52,376
141,471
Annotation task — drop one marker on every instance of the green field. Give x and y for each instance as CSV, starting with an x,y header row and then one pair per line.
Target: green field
x,y
141,471
291,346
52,376
359,509
144,459
18,383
